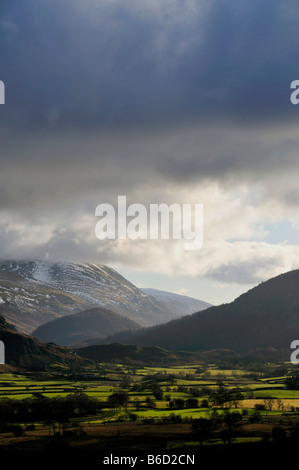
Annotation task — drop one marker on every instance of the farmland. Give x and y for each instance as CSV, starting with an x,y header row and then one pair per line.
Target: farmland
x,y
148,408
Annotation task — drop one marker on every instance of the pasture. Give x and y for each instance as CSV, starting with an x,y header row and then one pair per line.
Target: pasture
x,y
148,401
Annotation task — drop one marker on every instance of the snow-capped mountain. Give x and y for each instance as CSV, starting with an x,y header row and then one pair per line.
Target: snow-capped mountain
x,y
179,304
35,292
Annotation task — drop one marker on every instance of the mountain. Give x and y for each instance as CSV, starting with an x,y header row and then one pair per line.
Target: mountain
x,y
35,292
265,316
180,305
92,324
27,352
28,303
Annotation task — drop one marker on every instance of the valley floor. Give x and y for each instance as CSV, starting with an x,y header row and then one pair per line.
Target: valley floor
x,y
166,412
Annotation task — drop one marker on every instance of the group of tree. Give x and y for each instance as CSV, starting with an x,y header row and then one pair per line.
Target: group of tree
x,y
225,425
180,403
225,397
44,409
118,400
292,381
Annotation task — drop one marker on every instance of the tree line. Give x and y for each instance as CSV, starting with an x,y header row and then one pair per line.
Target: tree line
x,y
59,409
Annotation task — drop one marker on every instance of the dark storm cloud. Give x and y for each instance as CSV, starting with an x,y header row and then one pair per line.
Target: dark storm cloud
x,y
88,64
51,172
104,97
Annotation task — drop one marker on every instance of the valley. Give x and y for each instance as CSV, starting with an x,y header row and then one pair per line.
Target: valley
x,y
196,408
215,382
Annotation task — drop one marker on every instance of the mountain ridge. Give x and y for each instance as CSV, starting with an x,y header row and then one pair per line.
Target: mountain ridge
x,y
35,292
265,316
42,291
179,304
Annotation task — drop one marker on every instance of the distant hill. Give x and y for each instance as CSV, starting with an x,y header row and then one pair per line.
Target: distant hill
x,y
93,324
24,351
35,292
148,356
265,316
180,305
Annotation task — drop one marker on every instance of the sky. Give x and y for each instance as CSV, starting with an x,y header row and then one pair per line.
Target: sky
x,y
163,101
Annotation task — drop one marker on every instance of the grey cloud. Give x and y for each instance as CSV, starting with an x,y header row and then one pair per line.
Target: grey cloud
x,y
63,244
106,97
246,272
52,173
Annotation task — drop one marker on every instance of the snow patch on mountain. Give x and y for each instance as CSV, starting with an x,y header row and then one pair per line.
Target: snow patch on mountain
x,y
178,304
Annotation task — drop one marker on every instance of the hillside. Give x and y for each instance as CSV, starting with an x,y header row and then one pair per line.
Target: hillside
x,y
35,292
24,351
147,356
180,305
266,316
27,303
96,323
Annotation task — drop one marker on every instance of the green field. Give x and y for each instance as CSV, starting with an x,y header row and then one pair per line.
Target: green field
x,y
180,382
163,396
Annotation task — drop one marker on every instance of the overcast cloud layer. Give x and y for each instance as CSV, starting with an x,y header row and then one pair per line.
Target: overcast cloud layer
x,y
163,101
